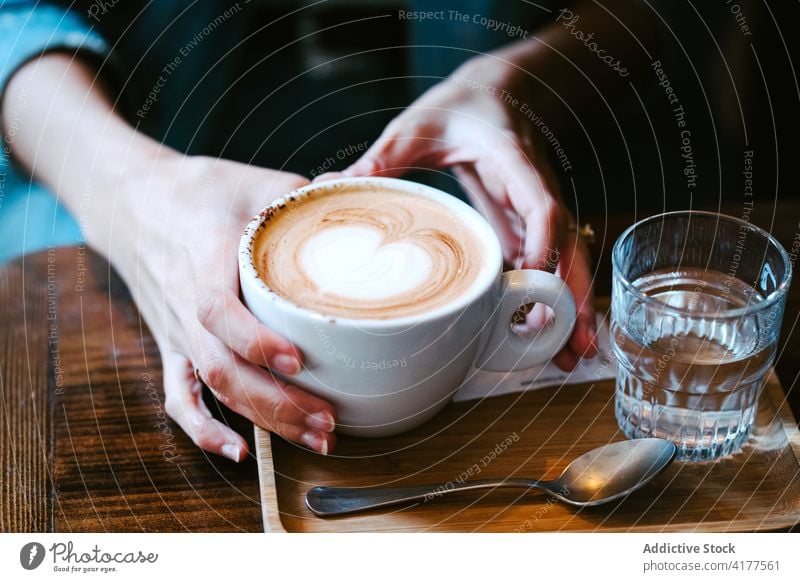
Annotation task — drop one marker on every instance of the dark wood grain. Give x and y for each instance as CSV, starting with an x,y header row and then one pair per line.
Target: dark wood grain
x,y
25,411
83,444
117,462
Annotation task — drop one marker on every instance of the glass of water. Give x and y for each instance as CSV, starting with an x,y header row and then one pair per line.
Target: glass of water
x,y
697,303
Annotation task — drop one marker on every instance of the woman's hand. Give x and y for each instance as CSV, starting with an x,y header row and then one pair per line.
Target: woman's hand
x,y
175,242
171,225
467,123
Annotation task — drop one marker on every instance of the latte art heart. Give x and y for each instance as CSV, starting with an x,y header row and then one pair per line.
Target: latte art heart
x,y
354,262
367,253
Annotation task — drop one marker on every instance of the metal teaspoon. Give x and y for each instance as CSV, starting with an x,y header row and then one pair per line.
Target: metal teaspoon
x,y
599,476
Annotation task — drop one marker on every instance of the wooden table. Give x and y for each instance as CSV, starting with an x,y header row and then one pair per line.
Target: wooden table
x,y
84,441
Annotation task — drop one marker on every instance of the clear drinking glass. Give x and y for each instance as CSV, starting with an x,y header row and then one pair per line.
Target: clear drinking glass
x,y
697,303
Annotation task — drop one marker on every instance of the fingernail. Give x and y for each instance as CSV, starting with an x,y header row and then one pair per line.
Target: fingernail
x,y
286,364
539,263
231,451
363,167
321,420
530,261
315,442
327,176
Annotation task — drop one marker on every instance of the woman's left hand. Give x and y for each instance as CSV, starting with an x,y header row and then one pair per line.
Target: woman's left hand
x,y
467,123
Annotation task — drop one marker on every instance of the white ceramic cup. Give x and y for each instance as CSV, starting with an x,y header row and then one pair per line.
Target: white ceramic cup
x,y
386,376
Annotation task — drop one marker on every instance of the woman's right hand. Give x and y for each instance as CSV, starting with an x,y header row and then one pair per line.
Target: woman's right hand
x,y
175,242
171,226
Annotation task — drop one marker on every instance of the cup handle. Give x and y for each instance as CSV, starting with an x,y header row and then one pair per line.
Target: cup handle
x,y
507,351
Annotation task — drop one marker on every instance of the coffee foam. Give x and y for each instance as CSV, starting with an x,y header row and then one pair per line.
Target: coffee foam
x,y
367,252
354,262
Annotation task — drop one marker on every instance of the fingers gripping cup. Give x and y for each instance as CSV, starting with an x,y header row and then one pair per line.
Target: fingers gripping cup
x,y
697,303
392,290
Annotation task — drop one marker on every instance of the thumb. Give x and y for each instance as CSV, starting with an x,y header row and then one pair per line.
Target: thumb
x,y
404,144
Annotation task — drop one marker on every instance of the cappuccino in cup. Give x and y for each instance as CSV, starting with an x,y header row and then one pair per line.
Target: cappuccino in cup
x,y
367,252
393,291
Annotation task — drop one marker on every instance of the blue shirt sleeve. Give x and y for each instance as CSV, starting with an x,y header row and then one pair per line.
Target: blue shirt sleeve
x,y
30,29
30,216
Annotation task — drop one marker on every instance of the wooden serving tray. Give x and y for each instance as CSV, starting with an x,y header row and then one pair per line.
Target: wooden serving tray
x,y
537,434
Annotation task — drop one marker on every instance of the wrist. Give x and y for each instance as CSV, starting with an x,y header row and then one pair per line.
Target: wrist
x,y
68,135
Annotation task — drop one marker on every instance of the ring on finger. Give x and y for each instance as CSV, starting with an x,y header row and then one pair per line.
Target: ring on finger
x,y
585,232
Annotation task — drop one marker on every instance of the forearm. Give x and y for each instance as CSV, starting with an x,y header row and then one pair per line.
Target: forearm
x,y
67,134
583,44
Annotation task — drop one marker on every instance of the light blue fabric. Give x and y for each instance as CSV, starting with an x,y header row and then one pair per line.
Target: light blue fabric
x,y
30,217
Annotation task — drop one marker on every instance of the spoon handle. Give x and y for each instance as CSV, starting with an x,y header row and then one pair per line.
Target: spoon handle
x,y
330,501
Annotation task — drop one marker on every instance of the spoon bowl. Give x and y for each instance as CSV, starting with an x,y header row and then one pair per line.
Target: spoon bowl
x,y
599,476
611,471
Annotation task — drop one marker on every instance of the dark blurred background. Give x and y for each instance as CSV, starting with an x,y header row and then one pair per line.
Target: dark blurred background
x,y
296,85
